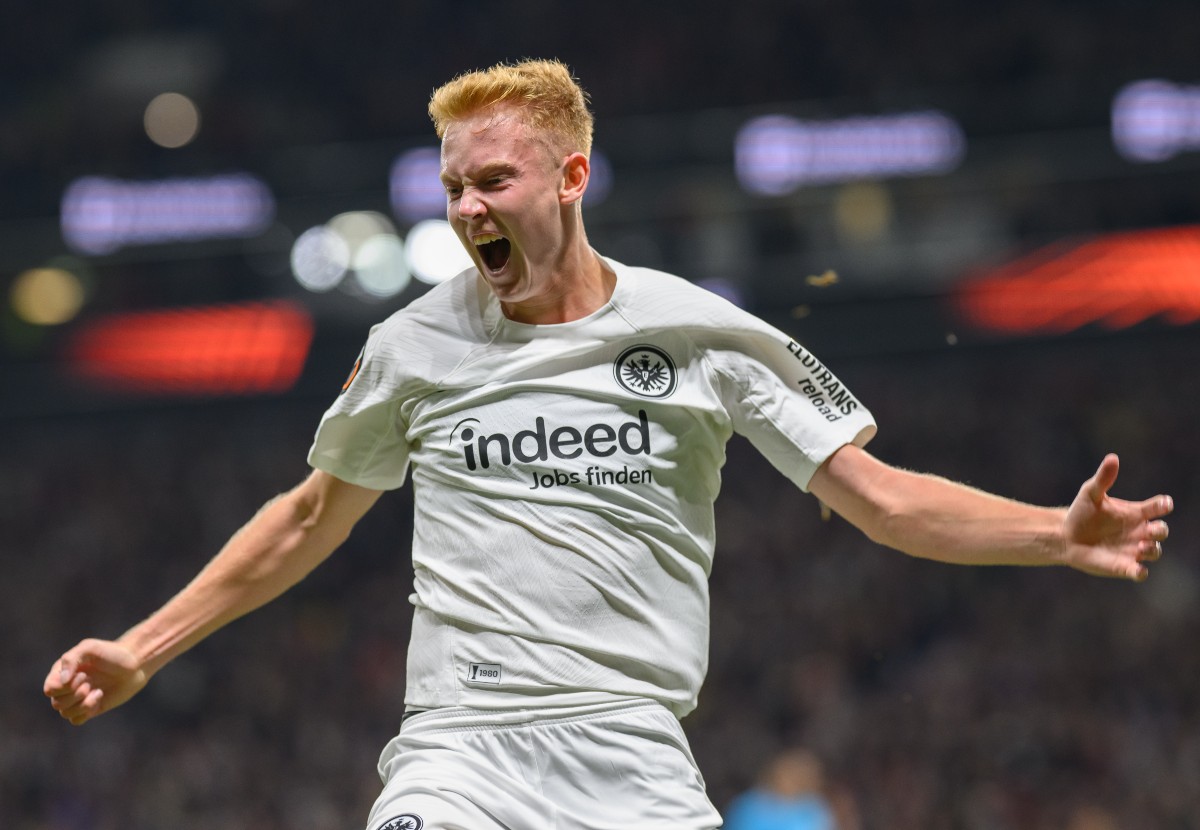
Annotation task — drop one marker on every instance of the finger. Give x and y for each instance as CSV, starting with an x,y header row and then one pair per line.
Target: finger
x,y
64,689
65,704
1097,486
92,702
58,678
1158,531
60,693
1157,506
1125,567
1131,569
86,709
53,686
75,710
77,716
1149,550
67,698
76,689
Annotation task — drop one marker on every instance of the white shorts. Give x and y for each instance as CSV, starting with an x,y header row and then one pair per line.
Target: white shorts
x,y
601,767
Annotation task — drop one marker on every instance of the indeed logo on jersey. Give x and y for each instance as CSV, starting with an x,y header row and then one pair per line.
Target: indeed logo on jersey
x,y
600,440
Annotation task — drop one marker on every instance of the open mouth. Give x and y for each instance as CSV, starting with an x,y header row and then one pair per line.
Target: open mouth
x,y
494,250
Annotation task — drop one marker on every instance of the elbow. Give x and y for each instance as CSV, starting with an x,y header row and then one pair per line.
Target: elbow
x,y
883,528
884,516
896,522
311,518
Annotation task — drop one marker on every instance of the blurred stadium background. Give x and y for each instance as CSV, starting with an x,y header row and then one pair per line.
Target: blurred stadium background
x,y
986,218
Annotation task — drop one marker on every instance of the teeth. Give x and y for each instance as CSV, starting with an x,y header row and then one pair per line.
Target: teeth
x,y
485,238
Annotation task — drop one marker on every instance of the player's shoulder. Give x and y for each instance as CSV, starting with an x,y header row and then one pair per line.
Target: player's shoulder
x,y
657,298
450,310
431,334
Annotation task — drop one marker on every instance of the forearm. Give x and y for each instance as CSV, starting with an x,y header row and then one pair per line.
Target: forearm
x,y
933,518
272,552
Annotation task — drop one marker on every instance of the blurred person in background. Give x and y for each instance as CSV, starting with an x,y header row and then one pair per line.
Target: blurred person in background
x,y
565,418
790,795
1091,817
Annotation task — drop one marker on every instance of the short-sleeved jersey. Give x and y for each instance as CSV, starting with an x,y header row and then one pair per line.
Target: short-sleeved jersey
x,y
564,479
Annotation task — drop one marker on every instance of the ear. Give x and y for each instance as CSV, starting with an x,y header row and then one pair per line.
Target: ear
x,y
576,172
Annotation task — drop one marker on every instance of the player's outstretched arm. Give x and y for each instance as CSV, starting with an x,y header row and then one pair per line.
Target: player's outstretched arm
x,y
290,536
932,517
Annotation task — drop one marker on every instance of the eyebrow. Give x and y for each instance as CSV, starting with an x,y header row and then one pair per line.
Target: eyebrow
x,y
484,171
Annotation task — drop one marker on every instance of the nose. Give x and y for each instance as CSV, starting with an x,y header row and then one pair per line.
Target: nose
x,y
469,205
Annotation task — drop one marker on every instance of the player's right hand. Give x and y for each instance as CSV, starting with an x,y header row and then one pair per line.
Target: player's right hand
x,y
94,677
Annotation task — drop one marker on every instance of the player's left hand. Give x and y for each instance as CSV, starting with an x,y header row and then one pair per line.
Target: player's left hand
x,y
1106,536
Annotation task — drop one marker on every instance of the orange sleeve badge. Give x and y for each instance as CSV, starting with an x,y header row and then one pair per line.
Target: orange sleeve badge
x,y
354,371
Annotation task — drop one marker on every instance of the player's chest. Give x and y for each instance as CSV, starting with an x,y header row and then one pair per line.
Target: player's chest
x,y
624,401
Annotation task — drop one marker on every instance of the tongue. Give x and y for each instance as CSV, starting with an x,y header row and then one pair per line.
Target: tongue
x,y
495,254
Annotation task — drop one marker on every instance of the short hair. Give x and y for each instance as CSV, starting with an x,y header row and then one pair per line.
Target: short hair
x,y
551,98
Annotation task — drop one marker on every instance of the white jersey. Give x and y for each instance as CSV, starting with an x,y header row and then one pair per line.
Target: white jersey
x,y
564,479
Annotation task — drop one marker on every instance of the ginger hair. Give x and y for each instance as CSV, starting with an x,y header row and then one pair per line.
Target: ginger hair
x,y
548,96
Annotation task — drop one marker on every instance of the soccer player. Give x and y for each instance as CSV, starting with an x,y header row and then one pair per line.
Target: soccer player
x,y
563,418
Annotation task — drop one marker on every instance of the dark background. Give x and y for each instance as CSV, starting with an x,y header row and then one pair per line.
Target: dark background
x,y
938,697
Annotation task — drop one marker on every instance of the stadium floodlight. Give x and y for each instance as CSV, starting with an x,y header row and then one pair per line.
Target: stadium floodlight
x,y
379,266
415,186
229,349
47,296
1114,280
320,258
600,184
100,215
435,253
172,120
776,154
1155,120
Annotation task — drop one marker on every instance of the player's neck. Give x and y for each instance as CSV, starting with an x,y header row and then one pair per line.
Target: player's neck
x,y
581,285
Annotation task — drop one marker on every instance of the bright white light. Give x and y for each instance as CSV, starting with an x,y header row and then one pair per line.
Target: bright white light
x,y
767,156
356,227
1154,120
434,252
776,154
416,189
379,266
100,215
320,257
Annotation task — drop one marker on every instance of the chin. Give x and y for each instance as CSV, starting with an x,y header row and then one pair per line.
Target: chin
x,y
506,285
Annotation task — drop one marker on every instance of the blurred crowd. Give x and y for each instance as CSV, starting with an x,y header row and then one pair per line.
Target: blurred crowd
x,y
272,74
933,697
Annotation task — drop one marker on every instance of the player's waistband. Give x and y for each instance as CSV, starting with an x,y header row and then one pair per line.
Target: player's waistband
x,y
462,718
